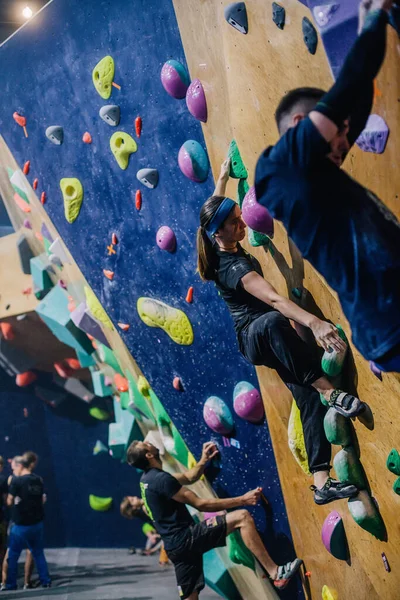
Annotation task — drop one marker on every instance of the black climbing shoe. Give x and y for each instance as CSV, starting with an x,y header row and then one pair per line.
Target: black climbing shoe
x,y
346,404
333,490
286,572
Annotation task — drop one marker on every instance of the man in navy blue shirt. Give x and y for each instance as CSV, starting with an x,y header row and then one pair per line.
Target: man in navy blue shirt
x,y
340,227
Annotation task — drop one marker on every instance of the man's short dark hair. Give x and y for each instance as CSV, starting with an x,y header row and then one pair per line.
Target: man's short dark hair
x,y
29,458
302,99
136,455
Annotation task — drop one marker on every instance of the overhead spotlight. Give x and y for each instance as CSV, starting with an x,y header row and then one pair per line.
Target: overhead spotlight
x,y
27,12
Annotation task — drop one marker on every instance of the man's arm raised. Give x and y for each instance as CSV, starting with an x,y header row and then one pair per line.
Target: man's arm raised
x,y
186,496
190,476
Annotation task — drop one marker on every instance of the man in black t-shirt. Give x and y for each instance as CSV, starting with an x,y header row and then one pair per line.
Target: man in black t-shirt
x,y
165,500
26,496
3,520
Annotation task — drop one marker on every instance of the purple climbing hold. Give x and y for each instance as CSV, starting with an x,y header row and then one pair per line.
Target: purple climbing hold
x,y
175,79
166,239
324,13
46,233
375,135
27,224
247,402
256,215
218,416
196,101
377,372
334,537
193,161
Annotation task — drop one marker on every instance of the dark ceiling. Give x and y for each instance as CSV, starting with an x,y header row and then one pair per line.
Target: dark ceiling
x,y
11,15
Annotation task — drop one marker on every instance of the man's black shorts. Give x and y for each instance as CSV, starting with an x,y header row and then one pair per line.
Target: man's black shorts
x,y
188,558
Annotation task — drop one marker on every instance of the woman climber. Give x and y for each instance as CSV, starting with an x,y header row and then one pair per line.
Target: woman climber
x,y
265,335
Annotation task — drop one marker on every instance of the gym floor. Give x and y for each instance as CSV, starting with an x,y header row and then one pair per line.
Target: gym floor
x,y
93,574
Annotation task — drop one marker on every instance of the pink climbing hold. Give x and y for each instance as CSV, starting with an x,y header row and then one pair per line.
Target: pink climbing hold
x,y
175,79
247,402
108,380
177,384
377,372
196,101
87,138
256,215
166,239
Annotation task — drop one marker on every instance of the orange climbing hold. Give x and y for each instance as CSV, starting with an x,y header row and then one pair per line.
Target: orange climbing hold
x,y
189,295
7,331
124,326
114,239
35,183
108,274
73,363
138,126
23,379
26,168
116,85
71,304
111,250
177,384
121,383
27,291
87,138
43,198
39,236
20,202
138,199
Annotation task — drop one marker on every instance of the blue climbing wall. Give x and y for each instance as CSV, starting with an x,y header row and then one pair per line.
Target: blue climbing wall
x,y
47,76
64,443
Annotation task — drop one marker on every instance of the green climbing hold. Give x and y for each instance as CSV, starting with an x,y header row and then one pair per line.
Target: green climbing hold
x,y
237,170
365,513
238,552
72,192
396,486
393,462
349,469
337,428
242,189
96,309
100,504
332,362
172,320
257,239
107,356
99,413
103,75
122,146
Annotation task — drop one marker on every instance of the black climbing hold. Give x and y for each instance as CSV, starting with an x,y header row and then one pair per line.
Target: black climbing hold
x,y
310,36
278,15
236,15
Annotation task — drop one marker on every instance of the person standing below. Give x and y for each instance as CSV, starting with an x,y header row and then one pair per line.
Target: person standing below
x,y
339,226
165,499
26,496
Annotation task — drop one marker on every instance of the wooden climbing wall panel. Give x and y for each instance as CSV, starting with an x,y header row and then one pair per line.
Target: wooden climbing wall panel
x,y
244,77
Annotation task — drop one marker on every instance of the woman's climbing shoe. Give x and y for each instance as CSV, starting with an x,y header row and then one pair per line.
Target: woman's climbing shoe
x,y
333,490
346,404
286,573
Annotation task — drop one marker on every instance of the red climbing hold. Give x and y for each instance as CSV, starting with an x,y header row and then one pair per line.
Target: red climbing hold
x,y
23,379
26,168
307,573
124,326
114,239
138,126
108,274
138,199
73,363
7,331
87,138
121,383
63,370
35,183
27,291
43,197
21,121
189,295
177,384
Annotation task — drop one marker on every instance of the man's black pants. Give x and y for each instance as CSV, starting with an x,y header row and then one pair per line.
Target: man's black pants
x,y
270,340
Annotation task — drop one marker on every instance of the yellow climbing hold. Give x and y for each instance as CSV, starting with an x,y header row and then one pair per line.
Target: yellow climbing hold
x,y
296,439
143,386
329,593
99,413
122,146
103,75
72,192
96,309
172,320
100,504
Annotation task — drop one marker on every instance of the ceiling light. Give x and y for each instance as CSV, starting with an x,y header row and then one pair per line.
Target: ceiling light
x,y
27,12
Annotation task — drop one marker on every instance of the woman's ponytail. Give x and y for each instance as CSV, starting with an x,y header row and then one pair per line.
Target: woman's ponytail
x,y
206,254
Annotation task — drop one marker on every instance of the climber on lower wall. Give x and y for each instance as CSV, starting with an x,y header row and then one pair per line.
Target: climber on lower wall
x,y
165,497
265,335
339,226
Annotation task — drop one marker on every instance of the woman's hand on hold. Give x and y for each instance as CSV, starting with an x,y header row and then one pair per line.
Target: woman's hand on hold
x,y
225,169
252,498
327,336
